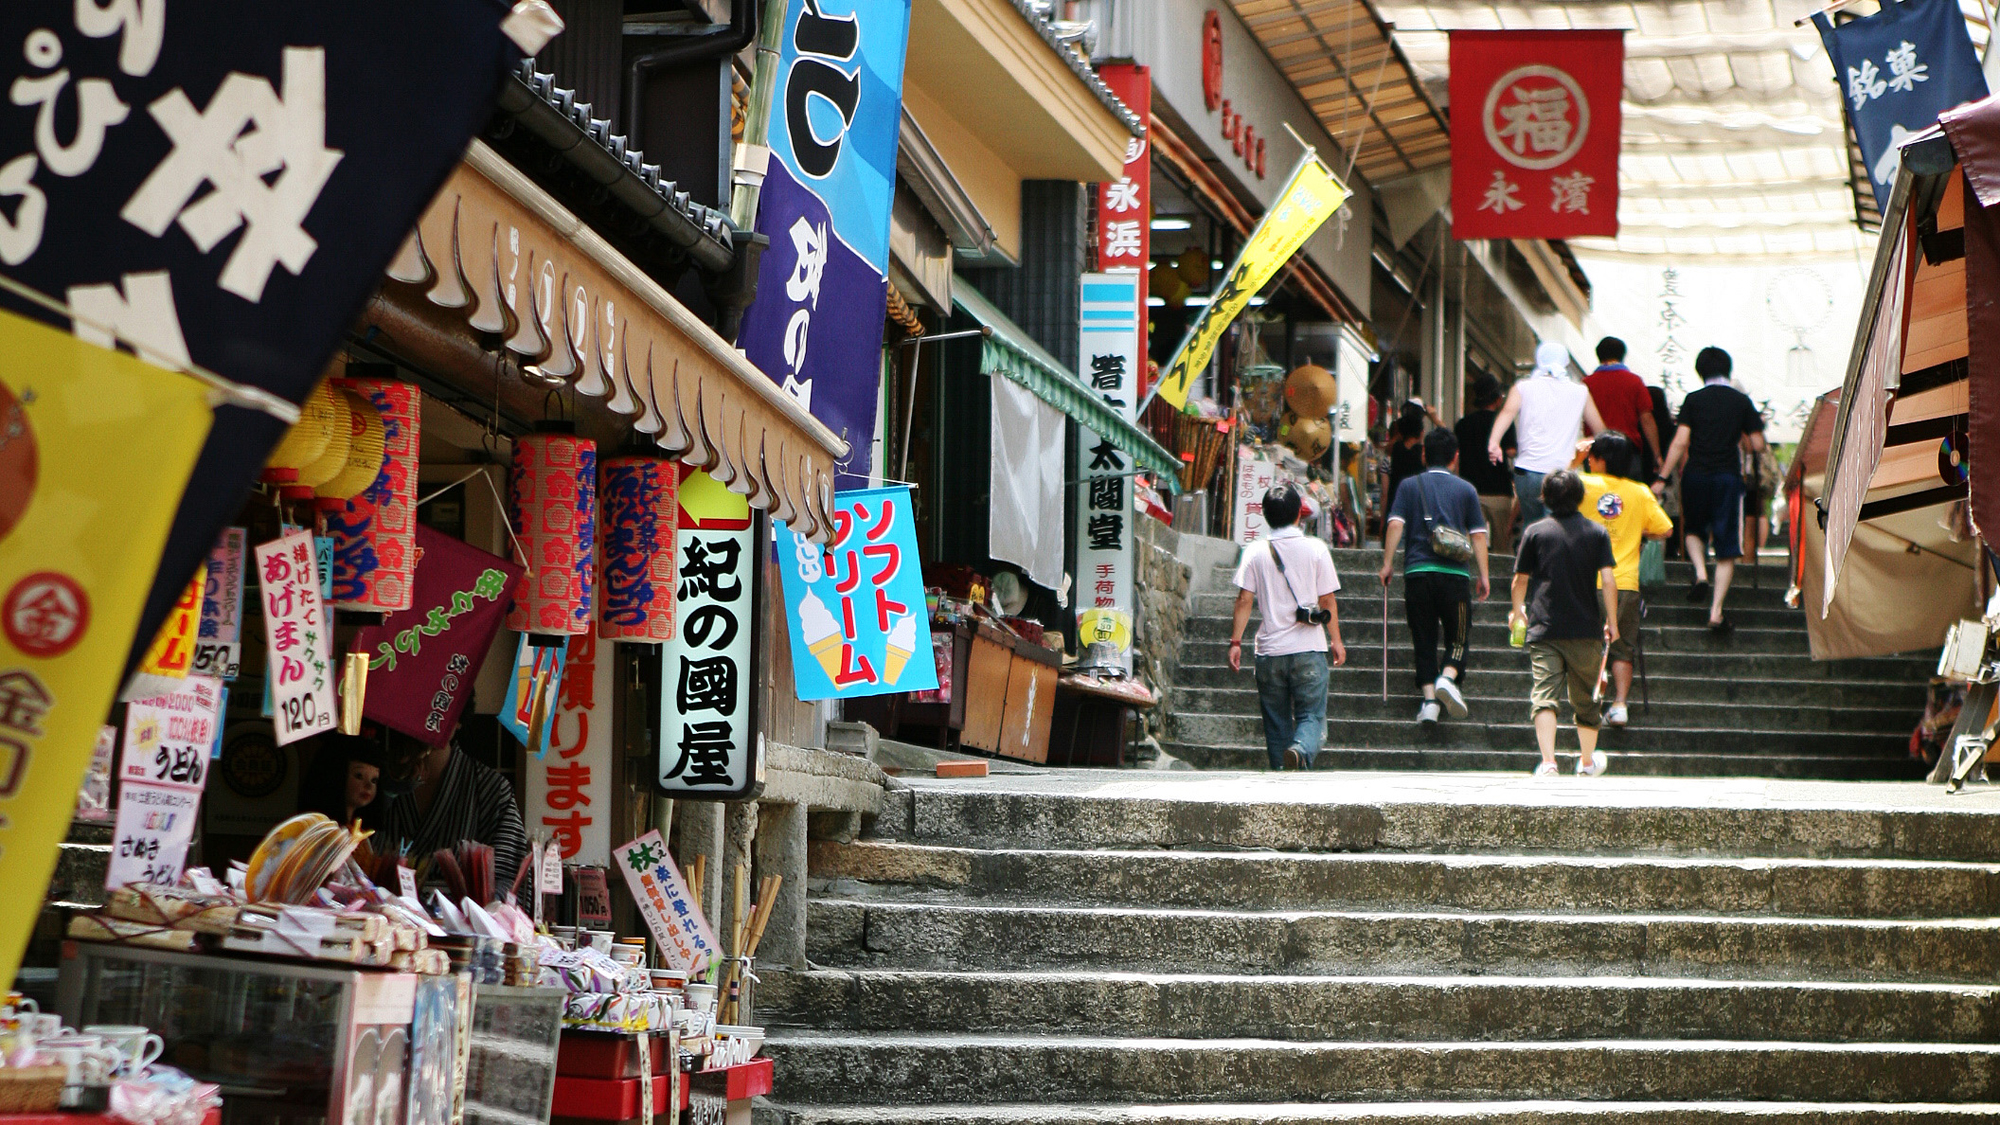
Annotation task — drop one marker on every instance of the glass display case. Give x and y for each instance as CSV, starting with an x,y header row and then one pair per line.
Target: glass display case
x,y
285,1041
510,1075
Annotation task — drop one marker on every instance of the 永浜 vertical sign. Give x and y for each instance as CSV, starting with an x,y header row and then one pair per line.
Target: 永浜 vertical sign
x,y
1110,359
836,112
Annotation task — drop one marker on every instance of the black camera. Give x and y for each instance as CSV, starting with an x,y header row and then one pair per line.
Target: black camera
x,y
1313,616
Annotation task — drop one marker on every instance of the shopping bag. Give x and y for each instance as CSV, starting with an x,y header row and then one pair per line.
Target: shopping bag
x,y
1653,563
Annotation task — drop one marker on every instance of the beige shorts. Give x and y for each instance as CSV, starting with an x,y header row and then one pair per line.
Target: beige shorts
x,y
1556,662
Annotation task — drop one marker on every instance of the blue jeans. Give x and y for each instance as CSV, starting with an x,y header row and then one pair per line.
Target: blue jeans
x,y
1528,486
1292,692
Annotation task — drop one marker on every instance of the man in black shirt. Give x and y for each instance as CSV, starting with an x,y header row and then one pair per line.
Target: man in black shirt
x,y
1494,483
1716,424
1566,595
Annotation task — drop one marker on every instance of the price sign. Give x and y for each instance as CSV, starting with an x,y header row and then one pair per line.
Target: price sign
x,y
708,1109
155,826
407,880
550,881
168,737
298,637
593,897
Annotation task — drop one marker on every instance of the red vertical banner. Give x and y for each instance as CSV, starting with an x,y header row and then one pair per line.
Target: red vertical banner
x,y
1125,205
1534,133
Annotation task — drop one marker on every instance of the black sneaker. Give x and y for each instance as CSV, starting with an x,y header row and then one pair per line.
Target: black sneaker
x,y
1699,591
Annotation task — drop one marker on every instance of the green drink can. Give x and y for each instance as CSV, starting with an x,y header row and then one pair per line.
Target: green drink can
x,y
1517,633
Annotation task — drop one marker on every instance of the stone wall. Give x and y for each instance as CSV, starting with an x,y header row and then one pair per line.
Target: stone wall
x,y
1164,588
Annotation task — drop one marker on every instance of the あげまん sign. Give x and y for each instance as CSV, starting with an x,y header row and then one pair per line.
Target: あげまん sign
x,y
297,636
855,608
1534,133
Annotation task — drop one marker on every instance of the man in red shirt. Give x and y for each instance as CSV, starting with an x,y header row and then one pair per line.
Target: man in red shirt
x,y
1622,399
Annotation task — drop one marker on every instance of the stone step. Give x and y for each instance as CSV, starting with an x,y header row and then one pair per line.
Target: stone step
x,y
1484,697
1217,880
1671,609
1885,766
1511,680
844,1067
1489,631
1418,812
1480,1008
1219,741
1541,1112
1721,659
875,934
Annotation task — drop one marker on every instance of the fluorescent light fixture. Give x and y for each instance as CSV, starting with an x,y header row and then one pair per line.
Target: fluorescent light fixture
x,y
1172,222
1156,302
1255,301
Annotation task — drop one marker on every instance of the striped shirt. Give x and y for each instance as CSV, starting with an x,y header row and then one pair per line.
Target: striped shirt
x,y
473,802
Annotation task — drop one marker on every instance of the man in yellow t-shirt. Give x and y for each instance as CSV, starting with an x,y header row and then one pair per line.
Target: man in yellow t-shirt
x,y
1631,514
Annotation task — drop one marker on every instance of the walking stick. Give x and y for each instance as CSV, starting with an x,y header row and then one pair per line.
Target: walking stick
x,y
1639,646
1385,642
1603,669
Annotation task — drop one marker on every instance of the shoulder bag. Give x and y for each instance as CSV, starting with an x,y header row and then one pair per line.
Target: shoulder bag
x,y
1447,542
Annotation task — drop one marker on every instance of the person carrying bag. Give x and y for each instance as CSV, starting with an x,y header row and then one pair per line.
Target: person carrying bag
x,y
1438,582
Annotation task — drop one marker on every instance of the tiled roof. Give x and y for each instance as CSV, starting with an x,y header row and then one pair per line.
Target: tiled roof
x,y
1031,12
586,141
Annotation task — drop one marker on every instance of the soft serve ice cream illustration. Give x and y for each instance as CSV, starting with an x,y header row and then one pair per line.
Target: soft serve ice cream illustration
x,y
821,632
902,642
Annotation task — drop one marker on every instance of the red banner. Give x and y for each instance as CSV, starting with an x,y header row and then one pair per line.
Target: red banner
x,y
1125,205
1534,133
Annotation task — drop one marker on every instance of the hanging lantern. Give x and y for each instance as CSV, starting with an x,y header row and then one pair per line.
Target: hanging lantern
x,y
552,491
641,508
374,527
306,442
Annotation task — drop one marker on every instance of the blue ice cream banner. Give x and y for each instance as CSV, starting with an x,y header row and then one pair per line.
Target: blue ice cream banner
x,y
836,114
855,608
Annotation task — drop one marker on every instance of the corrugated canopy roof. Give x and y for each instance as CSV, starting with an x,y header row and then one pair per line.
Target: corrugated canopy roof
x,y
1340,56
1734,143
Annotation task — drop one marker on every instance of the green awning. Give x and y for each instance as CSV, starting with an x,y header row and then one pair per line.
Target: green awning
x,y
1011,352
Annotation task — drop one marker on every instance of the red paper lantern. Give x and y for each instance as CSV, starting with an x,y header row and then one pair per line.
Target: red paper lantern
x,y
375,532
553,494
641,506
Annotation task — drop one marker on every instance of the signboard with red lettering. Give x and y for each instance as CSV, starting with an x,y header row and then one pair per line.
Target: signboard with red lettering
x,y
855,608
1125,205
569,788
374,534
172,651
218,649
298,637
1534,133
681,932
422,660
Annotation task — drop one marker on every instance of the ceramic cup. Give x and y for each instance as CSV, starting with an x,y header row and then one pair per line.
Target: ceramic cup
x,y
601,940
138,1047
85,1058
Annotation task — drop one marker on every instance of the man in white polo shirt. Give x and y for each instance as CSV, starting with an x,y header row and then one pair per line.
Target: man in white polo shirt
x,y
1292,580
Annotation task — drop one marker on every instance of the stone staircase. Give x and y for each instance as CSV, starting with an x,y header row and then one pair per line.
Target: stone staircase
x,y
1063,948
1752,703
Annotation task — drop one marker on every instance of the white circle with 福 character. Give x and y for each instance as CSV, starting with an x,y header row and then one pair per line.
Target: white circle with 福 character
x,y
1536,117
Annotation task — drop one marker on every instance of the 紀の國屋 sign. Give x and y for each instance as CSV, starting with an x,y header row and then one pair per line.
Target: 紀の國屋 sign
x,y
1534,133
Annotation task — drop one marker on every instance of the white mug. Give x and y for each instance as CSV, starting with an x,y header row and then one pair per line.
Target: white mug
x,y
85,1058
138,1047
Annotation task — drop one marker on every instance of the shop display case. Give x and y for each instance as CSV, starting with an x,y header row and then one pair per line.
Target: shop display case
x,y
285,1041
510,1075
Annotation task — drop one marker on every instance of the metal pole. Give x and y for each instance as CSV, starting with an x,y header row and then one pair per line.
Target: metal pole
x,y
909,412
757,120
1385,642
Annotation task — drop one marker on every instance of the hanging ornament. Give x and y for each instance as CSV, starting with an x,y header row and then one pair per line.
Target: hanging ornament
x,y
552,491
641,509
306,442
374,529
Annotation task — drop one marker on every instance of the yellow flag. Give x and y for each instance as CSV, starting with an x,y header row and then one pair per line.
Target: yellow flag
x,y
1310,196
95,449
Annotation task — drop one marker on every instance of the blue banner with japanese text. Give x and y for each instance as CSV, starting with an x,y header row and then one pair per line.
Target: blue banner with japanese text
x,y
816,325
855,608
1898,70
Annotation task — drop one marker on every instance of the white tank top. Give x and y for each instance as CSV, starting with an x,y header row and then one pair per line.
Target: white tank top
x,y
1546,428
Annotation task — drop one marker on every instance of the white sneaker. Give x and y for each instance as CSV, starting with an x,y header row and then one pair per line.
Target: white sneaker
x,y
1615,715
1599,762
1427,715
1548,769
1451,697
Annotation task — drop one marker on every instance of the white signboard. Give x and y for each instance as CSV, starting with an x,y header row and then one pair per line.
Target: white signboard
x,y
1254,477
708,747
678,926
218,648
297,636
168,739
1111,361
569,788
1350,417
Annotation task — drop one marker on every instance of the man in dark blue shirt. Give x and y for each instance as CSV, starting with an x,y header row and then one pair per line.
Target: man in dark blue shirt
x,y
1437,591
